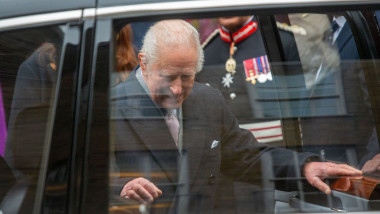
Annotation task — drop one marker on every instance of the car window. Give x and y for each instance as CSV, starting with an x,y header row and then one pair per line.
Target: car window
x,y
29,69
333,101
300,83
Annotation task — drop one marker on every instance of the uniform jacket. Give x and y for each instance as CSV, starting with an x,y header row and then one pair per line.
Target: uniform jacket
x,y
212,144
245,105
217,52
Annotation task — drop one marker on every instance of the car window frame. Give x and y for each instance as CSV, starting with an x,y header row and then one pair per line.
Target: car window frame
x,y
111,18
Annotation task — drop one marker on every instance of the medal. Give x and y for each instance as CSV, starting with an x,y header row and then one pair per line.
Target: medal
x,y
262,78
227,80
269,76
231,65
232,38
231,62
230,68
257,69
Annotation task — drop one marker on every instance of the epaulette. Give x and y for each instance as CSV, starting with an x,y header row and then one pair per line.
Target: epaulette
x,y
209,38
292,28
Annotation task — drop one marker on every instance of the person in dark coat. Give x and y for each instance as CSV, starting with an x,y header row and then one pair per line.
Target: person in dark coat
x,y
182,168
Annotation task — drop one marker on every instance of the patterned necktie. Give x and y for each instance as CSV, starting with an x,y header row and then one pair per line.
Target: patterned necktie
x,y
173,124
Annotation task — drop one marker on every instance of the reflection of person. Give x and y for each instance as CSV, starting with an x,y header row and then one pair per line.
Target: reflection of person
x,y
343,38
125,54
36,79
337,73
208,134
317,58
34,88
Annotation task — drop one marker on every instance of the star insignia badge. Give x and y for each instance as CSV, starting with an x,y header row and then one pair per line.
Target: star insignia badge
x,y
227,80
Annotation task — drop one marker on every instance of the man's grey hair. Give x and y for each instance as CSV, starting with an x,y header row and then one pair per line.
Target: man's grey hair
x,y
167,34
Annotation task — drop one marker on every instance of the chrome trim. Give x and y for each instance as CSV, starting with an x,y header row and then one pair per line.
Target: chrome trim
x,y
89,13
204,4
40,18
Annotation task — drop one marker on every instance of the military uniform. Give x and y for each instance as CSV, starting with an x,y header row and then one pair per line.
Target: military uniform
x,y
240,90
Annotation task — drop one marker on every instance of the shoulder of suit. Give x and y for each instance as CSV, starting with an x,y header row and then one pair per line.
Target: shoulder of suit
x,y
210,38
291,28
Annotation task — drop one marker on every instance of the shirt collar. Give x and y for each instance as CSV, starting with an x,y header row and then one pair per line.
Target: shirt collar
x,y
142,81
340,21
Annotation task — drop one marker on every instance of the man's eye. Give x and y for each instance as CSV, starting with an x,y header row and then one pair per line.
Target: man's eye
x,y
169,77
187,77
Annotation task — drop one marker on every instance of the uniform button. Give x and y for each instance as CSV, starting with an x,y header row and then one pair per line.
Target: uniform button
x,y
232,96
211,179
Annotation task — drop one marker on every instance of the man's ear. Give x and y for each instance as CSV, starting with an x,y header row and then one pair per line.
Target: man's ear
x,y
142,65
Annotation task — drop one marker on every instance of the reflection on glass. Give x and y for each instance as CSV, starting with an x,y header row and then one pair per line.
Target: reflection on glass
x,y
29,68
319,94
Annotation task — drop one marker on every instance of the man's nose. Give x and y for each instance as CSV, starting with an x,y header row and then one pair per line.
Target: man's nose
x,y
176,86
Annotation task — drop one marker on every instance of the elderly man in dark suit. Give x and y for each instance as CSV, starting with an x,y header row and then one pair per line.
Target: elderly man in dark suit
x,y
174,137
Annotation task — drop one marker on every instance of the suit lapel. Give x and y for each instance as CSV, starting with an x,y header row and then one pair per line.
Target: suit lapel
x,y
343,37
155,136
148,123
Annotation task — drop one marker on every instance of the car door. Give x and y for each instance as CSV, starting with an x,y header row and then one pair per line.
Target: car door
x,y
41,80
319,99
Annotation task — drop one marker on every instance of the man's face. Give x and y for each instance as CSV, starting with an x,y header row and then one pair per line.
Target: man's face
x,y
170,80
233,23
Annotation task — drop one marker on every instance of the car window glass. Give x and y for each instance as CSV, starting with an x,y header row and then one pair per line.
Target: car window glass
x,y
29,67
333,104
318,92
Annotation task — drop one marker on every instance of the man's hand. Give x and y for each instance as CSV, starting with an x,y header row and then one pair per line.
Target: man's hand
x,y
316,172
141,190
372,165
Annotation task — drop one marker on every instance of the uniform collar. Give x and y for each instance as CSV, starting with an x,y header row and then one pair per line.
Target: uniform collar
x,y
249,28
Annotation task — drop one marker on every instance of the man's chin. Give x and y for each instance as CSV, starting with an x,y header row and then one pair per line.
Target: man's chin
x,y
171,105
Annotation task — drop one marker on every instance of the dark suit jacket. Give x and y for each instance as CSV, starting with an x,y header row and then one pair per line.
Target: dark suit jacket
x,y
144,147
345,43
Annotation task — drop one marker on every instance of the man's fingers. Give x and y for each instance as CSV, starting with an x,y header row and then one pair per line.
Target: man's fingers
x,y
345,166
143,193
318,183
140,189
151,188
134,196
342,169
369,167
372,165
127,192
316,172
